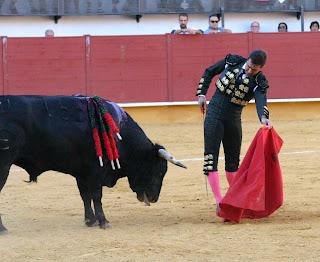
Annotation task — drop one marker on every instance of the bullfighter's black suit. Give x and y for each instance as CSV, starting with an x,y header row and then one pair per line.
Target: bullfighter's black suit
x,y
223,117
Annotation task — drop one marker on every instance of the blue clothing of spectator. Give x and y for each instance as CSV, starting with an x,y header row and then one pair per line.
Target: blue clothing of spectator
x,y
210,30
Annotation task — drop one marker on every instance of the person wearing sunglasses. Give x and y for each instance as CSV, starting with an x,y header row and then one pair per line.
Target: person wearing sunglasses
x,y
240,80
214,26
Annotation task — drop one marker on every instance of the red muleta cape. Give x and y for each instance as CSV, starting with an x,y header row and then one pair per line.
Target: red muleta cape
x,y
256,190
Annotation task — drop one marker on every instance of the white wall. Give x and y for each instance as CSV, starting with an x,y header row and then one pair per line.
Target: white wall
x,y
149,24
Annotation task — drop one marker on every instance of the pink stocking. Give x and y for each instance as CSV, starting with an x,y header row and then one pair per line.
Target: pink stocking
x,y
214,181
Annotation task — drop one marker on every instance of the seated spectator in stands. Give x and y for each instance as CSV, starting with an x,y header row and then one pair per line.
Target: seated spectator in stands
x,y
282,27
314,26
214,26
49,33
184,29
255,27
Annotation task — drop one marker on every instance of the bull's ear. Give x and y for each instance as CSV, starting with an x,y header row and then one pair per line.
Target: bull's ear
x,y
167,156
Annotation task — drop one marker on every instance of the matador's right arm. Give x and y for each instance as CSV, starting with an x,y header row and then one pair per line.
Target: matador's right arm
x,y
215,69
207,76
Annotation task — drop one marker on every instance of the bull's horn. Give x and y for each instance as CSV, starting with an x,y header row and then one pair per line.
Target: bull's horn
x,y
145,199
2,228
167,156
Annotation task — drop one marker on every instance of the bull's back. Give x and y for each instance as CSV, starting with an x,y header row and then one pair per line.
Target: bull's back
x,y
49,133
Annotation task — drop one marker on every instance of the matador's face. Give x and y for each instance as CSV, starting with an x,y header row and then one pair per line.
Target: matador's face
x,y
252,69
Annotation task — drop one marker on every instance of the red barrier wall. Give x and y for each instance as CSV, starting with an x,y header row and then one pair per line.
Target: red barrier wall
x,y
132,68
154,68
3,62
293,64
45,66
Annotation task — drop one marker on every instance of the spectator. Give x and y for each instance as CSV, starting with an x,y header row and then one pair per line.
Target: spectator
x,y
314,26
49,33
282,27
184,30
255,27
214,26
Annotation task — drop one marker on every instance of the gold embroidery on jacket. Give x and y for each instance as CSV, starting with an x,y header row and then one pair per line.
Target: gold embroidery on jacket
x,y
227,84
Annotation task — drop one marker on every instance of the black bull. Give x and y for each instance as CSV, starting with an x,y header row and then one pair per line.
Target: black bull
x,y
41,133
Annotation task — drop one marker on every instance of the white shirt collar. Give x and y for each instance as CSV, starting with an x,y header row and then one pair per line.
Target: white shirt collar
x,y
244,75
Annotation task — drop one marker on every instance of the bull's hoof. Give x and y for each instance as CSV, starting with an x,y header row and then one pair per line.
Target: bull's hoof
x,y
103,222
91,222
104,225
3,230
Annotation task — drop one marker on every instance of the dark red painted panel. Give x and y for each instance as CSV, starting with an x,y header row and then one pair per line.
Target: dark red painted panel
x,y
2,61
293,63
129,68
46,65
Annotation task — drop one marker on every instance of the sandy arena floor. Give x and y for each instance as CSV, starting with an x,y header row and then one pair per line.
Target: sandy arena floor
x,y
45,220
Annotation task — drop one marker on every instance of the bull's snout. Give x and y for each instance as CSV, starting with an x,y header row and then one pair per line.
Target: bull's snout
x,y
147,199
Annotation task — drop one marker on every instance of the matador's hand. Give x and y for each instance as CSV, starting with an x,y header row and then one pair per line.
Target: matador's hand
x,y
266,122
202,103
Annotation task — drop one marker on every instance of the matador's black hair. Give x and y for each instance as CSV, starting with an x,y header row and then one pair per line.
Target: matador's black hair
x,y
258,57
